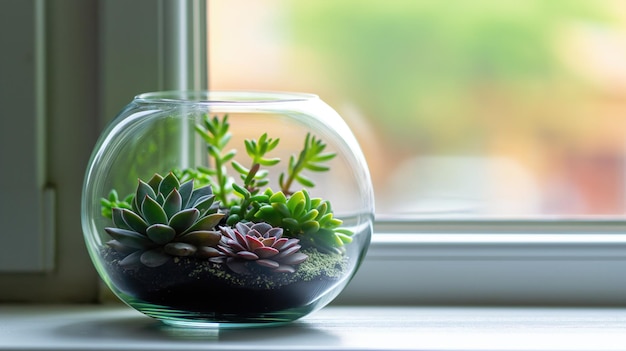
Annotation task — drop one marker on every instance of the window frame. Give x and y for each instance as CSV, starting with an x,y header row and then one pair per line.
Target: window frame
x,y
493,262
32,251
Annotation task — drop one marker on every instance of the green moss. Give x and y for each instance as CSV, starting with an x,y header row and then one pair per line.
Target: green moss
x,y
320,265
317,266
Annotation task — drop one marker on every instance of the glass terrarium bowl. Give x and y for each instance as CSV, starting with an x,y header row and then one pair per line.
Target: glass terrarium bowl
x,y
227,209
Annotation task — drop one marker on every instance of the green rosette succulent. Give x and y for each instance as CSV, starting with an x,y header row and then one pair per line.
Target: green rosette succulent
x,y
166,219
308,219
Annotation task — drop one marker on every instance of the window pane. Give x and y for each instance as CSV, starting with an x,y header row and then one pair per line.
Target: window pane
x,y
485,108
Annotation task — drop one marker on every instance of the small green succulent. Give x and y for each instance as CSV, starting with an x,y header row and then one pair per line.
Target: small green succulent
x,y
107,204
255,178
310,220
216,134
311,158
166,219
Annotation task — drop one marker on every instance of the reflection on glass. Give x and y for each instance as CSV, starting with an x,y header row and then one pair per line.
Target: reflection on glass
x,y
485,108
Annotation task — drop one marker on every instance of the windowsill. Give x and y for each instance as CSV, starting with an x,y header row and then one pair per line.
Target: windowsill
x,y
77,327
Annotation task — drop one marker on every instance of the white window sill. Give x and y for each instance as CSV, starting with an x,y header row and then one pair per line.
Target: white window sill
x,y
75,327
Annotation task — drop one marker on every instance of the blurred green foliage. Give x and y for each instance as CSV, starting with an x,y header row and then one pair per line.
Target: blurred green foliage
x,y
415,66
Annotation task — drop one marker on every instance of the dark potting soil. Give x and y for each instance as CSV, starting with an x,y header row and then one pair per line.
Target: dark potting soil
x,y
194,285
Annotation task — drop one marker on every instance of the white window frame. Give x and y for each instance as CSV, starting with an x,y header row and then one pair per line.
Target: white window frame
x,y
415,261
493,262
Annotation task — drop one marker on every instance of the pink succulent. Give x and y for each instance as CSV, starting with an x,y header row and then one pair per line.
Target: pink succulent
x,y
260,244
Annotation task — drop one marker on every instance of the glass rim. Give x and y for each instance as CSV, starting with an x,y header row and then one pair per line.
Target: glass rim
x,y
211,97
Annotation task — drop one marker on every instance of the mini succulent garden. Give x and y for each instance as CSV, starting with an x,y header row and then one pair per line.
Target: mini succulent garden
x,y
238,232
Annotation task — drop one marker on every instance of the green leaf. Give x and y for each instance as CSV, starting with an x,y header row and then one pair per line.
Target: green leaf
x,y
134,221
154,258
344,231
201,238
205,170
239,168
292,163
273,144
310,227
161,233
305,181
261,198
204,203
185,191
269,161
333,223
214,151
290,224
250,147
323,157
281,181
322,207
143,190
309,216
113,196
328,238
325,218
307,199
119,247
199,193
223,140
184,219
206,223
346,239
153,212
281,208
203,133
180,249
172,203
316,168
132,260
268,214
262,183
118,220
278,197
245,193
129,238
160,199
155,181
295,200
168,184
229,156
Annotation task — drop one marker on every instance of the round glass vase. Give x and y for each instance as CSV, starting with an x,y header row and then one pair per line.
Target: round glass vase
x,y
227,209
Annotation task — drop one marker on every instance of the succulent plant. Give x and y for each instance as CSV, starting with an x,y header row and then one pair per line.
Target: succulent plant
x,y
107,204
216,134
310,220
258,244
166,219
254,178
309,158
